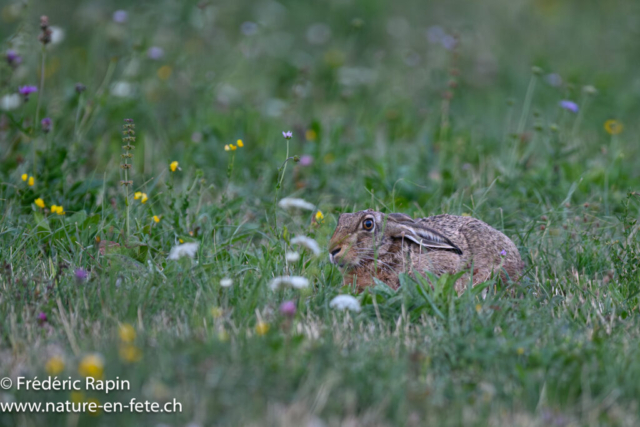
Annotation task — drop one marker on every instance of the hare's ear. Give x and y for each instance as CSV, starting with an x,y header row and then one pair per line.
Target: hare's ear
x,y
423,236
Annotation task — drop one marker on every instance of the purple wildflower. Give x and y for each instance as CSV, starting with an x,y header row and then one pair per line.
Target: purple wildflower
x,y
81,274
569,105
120,16
26,91
13,58
155,53
288,308
503,253
46,124
42,317
249,28
306,160
553,79
80,88
287,135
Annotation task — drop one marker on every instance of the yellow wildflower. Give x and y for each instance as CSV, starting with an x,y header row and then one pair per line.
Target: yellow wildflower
x,y
613,127
233,147
216,312
478,308
127,333
24,176
144,198
227,148
137,195
223,335
92,365
262,328
130,353
77,396
59,210
54,366
173,166
39,203
240,143
520,351
181,241
311,135
164,72
31,181
93,406
156,218
319,217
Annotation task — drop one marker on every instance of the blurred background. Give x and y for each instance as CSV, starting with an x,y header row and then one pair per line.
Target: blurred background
x,y
365,85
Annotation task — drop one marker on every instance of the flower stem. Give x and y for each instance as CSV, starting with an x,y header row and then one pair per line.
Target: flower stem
x,y
41,88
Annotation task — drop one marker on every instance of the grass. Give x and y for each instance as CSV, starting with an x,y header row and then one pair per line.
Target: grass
x,y
387,112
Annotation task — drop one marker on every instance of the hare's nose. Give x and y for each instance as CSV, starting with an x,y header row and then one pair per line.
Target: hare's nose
x,y
335,252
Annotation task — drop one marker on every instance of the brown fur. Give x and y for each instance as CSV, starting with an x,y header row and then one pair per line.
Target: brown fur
x,y
439,244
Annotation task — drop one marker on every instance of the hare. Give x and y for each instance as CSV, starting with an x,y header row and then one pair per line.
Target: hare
x,y
370,244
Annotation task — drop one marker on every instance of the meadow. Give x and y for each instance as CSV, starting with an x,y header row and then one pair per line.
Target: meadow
x,y
145,153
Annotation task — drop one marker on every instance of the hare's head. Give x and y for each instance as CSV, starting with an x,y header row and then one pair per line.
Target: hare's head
x,y
362,236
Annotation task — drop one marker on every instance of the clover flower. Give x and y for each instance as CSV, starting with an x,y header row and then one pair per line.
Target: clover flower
x,y
295,282
46,124
42,317
287,135
25,91
291,202
81,275
173,166
345,302
503,253
569,105
288,308
292,256
39,203
185,249
13,58
308,243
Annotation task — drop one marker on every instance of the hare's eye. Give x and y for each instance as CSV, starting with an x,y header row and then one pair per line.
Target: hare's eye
x,y
367,224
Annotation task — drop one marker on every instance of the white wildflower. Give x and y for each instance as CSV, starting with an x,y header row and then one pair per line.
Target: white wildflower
x,y
226,282
345,302
291,203
57,34
185,249
292,256
308,243
295,282
122,89
10,102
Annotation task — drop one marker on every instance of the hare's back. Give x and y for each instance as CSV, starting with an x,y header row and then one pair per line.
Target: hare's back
x,y
483,243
